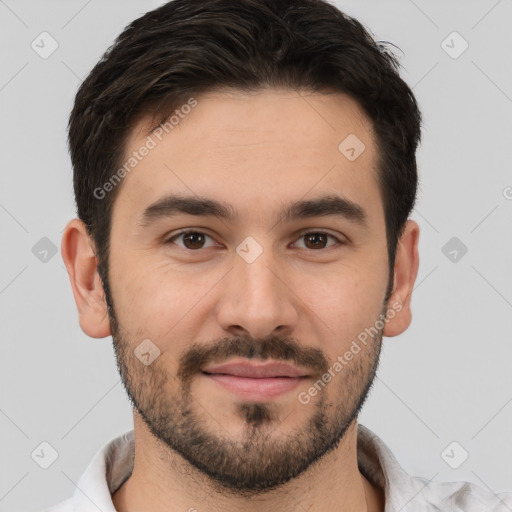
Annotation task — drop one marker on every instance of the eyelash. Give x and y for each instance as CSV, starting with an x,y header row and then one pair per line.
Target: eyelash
x,y
302,235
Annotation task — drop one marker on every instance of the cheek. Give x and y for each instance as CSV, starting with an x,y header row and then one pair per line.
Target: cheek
x,y
156,297
345,302
139,290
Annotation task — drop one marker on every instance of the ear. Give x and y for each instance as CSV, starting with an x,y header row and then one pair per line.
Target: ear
x,y
81,263
406,271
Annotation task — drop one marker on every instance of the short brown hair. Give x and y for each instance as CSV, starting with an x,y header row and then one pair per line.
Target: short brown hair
x,y
185,48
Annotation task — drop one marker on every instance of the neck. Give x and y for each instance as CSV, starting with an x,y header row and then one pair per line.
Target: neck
x,y
162,480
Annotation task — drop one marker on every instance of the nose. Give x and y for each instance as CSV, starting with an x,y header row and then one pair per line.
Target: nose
x,y
258,299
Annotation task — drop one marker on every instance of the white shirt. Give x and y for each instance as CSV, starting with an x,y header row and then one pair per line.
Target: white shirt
x,y
113,464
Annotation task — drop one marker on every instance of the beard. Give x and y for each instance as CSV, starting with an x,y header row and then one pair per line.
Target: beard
x,y
263,458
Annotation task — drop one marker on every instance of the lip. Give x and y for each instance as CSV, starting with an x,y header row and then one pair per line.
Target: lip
x,y
256,381
256,370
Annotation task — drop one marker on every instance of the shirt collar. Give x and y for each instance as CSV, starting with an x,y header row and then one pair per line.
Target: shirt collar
x,y
109,468
377,463
113,464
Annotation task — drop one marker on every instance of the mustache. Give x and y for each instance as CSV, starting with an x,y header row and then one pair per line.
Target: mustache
x,y
275,348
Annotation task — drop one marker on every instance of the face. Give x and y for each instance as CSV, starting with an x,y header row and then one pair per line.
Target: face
x,y
248,304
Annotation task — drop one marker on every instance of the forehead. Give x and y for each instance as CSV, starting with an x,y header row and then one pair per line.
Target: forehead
x,y
265,147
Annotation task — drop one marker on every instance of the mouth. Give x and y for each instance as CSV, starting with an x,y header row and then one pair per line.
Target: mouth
x,y
256,381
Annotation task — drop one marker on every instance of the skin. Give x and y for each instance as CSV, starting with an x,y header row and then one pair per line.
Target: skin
x,y
256,152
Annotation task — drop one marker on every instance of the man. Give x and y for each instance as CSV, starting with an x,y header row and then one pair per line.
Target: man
x,y
244,172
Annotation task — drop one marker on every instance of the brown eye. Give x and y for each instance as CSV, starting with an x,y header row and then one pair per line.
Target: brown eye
x,y
317,240
191,239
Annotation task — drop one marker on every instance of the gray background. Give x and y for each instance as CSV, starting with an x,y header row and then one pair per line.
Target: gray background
x,y
447,378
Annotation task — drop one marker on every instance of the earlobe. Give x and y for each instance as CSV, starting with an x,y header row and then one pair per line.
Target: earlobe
x,y
81,263
406,271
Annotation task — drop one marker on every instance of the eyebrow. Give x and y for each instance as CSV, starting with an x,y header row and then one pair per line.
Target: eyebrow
x,y
325,206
